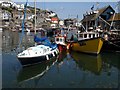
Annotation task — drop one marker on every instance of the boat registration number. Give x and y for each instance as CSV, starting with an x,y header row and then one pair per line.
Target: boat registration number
x,y
82,43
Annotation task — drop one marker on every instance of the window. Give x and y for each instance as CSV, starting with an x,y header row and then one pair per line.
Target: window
x,y
57,39
85,35
89,35
60,39
81,35
93,35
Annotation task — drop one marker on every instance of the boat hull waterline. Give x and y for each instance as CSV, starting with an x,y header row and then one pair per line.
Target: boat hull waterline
x,y
92,46
34,55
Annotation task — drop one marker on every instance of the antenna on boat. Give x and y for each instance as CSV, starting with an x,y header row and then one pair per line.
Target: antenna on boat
x,y
86,24
96,20
97,4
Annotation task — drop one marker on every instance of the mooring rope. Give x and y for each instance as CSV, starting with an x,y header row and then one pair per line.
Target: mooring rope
x,y
114,44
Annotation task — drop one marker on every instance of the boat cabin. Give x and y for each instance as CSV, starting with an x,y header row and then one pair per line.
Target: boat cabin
x,y
60,40
87,35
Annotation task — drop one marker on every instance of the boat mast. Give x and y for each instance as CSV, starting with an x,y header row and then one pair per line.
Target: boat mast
x,y
97,19
86,24
35,18
35,15
23,22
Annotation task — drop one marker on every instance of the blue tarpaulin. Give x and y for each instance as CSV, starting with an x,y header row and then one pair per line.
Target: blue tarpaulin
x,y
45,42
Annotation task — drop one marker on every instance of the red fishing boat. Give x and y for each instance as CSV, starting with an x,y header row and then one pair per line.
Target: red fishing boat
x,y
61,42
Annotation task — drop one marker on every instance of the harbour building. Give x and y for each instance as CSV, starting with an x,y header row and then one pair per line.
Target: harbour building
x,y
101,19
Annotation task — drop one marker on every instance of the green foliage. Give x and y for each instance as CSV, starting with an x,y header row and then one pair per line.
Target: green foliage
x,y
7,9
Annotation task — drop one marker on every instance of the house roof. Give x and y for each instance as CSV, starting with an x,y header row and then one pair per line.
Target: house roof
x,y
115,18
54,19
95,15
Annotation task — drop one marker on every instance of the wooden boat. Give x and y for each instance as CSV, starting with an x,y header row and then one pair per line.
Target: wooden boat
x,y
88,42
60,41
112,41
111,45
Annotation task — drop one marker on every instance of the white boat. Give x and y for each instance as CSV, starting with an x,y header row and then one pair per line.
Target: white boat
x,y
37,54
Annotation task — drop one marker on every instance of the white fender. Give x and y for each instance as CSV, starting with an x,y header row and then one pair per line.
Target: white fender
x,y
47,57
53,54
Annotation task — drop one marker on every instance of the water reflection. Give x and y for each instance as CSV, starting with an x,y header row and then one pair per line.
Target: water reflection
x,y
61,57
110,61
35,71
72,69
11,40
88,62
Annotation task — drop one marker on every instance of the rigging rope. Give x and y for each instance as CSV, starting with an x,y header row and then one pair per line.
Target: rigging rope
x,y
106,22
114,44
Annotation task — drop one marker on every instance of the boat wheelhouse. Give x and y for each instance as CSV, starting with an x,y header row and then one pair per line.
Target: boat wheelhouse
x,y
60,41
87,35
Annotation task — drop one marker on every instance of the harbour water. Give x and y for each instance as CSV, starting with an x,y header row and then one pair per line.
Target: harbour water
x,y
68,70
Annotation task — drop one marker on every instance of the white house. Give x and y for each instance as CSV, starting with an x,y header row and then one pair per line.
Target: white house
x,y
6,15
20,7
8,3
52,14
5,4
1,14
31,17
48,19
53,25
61,22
